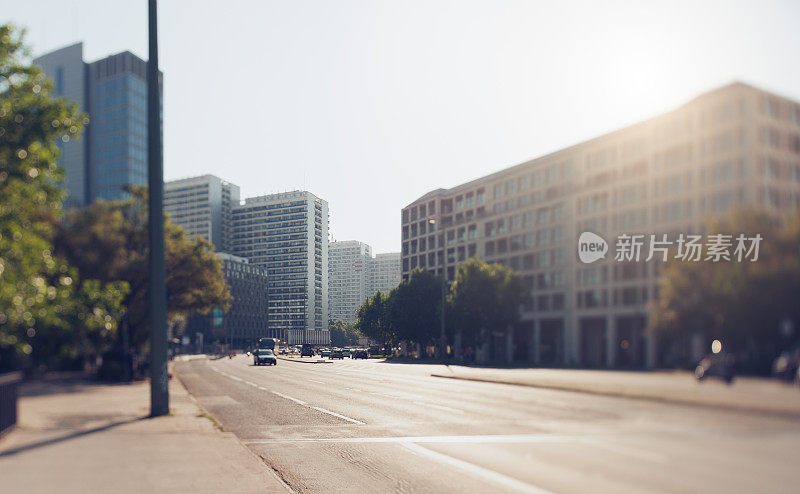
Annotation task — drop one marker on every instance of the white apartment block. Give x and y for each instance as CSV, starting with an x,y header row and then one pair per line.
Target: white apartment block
x,y
356,276
348,281
383,273
202,206
734,147
287,234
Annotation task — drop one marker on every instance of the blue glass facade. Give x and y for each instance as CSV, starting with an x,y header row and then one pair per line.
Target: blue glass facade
x,y
119,134
112,154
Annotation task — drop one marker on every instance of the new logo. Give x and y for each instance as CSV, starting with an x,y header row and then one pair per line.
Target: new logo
x,y
591,247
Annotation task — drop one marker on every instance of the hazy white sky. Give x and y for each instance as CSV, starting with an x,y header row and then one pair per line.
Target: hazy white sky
x,y
370,104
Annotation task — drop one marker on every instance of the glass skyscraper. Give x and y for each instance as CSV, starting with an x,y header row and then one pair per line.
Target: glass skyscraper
x,y
112,154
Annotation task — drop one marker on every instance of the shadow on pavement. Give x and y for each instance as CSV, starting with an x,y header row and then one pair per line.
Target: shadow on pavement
x,y
74,435
51,385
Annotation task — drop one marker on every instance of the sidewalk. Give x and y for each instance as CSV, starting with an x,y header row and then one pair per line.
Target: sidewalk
x,y
76,435
745,394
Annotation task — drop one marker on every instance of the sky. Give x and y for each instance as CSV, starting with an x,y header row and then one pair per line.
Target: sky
x,y
370,104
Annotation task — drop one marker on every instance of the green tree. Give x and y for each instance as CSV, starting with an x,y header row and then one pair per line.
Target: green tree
x,y
108,241
414,307
374,319
740,303
46,311
485,300
343,334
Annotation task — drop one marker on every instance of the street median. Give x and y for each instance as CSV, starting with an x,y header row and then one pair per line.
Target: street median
x,y
746,394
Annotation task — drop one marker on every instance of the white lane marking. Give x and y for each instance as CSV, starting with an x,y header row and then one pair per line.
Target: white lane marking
x,y
320,409
251,384
299,402
477,471
440,407
262,388
318,382
478,439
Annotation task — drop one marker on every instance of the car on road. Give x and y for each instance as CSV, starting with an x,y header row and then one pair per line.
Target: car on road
x,y
359,353
307,351
326,352
337,353
264,356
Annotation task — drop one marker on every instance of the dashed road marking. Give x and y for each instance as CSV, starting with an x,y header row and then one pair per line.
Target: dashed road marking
x,y
320,409
477,471
438,407
299,402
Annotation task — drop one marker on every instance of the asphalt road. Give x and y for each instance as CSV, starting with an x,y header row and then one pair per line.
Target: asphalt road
x,y
365,426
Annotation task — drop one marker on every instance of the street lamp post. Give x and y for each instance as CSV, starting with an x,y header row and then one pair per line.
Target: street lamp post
x,y
159,391
443,338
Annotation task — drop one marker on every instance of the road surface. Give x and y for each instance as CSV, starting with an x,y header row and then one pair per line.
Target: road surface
x,y
365,426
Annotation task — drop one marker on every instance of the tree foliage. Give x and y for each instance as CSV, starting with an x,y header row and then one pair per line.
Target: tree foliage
x,y
343,334
414,307
109,241
740,303
46,310
485,300
374,319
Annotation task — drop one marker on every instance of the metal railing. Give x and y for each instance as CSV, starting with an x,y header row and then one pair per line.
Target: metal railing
x,y
8,400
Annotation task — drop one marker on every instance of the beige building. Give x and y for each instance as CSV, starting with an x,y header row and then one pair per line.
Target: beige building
x,y
734,147
355,276
202,206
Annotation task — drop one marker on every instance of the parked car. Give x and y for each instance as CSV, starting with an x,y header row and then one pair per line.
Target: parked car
x,y
337,353
264,356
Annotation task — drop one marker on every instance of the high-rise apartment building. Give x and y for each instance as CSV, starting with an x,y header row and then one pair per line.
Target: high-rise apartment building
x,y
348,278
287,234
355,276
112,153
383,273
203,207
735,147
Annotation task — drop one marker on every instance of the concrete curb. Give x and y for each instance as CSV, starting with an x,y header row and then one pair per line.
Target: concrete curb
x,y
306,361
675,400
271,471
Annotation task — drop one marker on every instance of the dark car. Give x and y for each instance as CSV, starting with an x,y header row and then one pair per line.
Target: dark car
x,y
360,353
787,365
307,351
337,353
264,356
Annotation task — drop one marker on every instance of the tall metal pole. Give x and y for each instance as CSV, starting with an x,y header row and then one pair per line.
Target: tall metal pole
x,y
159,392
443,339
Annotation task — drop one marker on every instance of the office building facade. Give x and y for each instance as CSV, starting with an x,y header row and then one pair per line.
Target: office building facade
x,y
246,320
287,234
735,147
111,155
203,207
